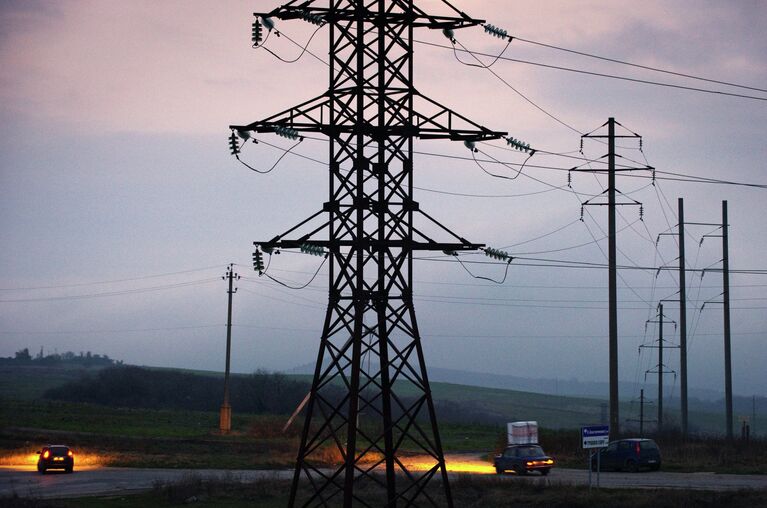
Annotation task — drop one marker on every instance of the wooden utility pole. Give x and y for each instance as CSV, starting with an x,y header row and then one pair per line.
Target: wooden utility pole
x,y
225,417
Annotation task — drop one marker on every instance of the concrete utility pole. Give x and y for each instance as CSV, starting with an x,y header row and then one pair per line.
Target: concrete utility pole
x,y
726,301
682,320
641,419
682,313
661,367
612,281
612,258
225,418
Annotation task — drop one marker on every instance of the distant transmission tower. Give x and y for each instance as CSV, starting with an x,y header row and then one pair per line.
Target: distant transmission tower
x,y
369,227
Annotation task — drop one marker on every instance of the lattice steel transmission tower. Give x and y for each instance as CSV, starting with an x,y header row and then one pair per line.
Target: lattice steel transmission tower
x,y
371,226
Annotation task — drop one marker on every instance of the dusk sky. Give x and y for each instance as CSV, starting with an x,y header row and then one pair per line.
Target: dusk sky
x,y
121,206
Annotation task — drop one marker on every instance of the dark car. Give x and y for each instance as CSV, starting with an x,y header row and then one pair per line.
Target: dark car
x,y
55,457
522,459
629,455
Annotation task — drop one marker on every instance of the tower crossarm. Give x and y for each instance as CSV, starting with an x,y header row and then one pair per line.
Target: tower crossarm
x,y
417,17
423,242
370,245
432,121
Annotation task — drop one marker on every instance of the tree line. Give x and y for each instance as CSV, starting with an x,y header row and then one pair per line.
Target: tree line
x,y
140,387
85,359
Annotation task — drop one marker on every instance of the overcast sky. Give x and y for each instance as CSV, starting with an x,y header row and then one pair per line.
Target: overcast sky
x,y
121,206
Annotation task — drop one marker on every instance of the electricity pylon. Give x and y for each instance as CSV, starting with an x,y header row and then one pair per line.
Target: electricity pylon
x,y
370,227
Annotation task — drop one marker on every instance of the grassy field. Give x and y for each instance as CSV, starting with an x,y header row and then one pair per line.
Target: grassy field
x,y
143,437
31,381
467,492
177,438
88,418
186,439
477,403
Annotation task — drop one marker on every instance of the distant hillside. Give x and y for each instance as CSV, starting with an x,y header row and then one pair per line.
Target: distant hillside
x,y
493,398
178,388
552,386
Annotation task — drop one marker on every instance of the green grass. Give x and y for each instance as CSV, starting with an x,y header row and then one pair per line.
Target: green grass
x,y
76,417
186,439
28,382
178,438
469,438
145,438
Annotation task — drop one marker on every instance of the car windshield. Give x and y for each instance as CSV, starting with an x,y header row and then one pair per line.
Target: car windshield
x,y
530,451
59,450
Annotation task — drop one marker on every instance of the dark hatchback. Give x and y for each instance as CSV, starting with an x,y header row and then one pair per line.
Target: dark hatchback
x,y
629,455
522,459
56,457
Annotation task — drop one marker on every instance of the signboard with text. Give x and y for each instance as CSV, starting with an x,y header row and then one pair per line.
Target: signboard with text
x,y
595,436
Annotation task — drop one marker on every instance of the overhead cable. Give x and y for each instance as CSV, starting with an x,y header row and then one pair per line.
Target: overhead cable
x,y
592,73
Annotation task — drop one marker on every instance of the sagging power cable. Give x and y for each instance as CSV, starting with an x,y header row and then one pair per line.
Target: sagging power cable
x,y
492,253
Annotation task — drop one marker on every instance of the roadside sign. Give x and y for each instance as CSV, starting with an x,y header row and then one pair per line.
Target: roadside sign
x,y
595,436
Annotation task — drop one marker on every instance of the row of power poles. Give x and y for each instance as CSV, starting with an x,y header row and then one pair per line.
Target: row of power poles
x,y
612,203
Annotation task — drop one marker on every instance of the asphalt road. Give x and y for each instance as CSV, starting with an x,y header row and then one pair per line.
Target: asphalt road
x,y
26,482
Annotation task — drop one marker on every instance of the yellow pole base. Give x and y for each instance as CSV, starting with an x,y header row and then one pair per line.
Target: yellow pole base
x,y
225,419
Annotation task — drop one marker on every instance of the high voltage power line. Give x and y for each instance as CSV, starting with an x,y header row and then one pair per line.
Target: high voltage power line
x,y
510,39
204,281
672,176
112,293
659,174
593,73
640,66
314,330
112,281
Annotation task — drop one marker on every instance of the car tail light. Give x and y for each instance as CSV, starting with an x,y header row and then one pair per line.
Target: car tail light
x,y
636,448
46,454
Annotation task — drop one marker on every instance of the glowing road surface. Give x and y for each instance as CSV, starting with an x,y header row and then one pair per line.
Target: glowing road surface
x,y
25,481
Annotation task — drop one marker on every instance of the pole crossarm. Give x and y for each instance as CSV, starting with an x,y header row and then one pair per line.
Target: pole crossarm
x,y
593,201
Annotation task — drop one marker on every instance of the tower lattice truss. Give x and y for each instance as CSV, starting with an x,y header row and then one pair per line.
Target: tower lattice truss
x,y
370,399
